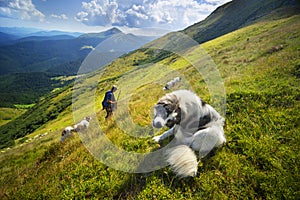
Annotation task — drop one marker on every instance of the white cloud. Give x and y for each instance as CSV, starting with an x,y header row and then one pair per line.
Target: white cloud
x,y
100,12
5,11
20,9
62,16
174,14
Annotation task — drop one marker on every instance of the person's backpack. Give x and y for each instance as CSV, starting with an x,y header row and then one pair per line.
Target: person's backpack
x,y
104,102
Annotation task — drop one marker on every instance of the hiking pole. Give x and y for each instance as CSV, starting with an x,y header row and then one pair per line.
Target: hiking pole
x,y
118,95
117,100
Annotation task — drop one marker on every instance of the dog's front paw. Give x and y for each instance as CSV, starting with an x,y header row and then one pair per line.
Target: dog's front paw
x,y
156,138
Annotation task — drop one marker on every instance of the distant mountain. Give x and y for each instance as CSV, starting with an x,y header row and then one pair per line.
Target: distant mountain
x,y
112,48
44,38
6,38
13,35
124,42
232,16
41,54
104,34
22,32
54,33
19,31
38,56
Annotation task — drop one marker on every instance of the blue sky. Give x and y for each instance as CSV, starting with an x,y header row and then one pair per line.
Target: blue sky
x,y
97,15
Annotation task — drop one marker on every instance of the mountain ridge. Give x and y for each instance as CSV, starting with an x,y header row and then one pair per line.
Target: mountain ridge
x,y
43,38
21,32
108,32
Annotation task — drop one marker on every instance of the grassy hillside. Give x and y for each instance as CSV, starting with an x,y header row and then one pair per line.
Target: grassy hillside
x,y
259,65
42,112
232,16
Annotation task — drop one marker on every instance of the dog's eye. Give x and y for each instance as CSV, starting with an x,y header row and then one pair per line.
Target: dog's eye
x,y
168,110
160,110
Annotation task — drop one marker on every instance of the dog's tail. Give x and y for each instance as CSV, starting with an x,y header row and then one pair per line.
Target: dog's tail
x,y
182,160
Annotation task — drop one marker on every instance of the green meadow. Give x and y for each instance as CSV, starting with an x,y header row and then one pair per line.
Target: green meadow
x,y
8,114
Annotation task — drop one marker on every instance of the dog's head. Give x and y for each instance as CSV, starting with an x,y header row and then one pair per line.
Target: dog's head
x,y
88,118
63,133
167,112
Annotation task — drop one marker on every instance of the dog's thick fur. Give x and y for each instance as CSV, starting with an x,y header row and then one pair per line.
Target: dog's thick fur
x,y
196,126
68,131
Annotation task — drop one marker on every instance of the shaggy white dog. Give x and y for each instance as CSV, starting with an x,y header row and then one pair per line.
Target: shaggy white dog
x,y
171,83
196,126
68,131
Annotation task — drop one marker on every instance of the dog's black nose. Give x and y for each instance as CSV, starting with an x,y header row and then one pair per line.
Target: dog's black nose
x,y
157,124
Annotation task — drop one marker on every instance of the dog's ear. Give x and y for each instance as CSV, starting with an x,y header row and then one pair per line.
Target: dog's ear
x,y
168,99
170,102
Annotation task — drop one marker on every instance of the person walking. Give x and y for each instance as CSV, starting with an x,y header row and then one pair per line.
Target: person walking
x,y
109,102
